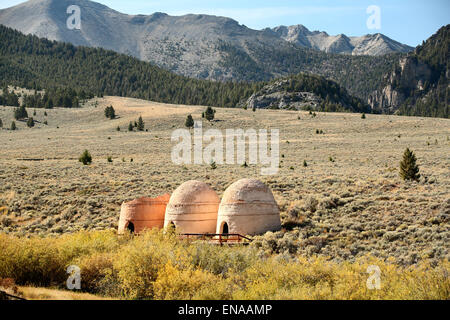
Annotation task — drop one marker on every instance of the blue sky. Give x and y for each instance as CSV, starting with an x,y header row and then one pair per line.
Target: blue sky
x,y
407,21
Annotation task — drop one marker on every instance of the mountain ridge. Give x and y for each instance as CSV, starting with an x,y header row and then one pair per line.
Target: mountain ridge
x,y
200,46
369,44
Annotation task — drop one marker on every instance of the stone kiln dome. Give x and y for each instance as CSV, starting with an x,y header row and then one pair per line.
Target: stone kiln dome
x,y
248,208
193,208
143,213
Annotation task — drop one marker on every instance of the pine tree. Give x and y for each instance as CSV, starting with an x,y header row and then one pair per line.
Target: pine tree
x,y
110,113
13,126
409,170
141,124
189,121
30,122
1,123
209,114
130,126
363,116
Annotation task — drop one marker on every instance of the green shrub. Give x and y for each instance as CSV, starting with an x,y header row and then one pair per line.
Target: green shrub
x,y
85,158
30,123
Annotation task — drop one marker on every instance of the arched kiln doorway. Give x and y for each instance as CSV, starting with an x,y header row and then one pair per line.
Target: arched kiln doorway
x,y
224,229
130,227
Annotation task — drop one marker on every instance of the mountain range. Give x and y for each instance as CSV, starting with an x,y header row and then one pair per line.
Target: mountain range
x,y
208,47
370,44
378,70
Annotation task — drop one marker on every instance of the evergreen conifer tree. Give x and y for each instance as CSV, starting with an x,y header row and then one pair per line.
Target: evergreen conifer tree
x,y
209,114
141,124
189,121
409,170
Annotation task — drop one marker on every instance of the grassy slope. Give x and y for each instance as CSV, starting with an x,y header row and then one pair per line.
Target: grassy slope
x,y
346,208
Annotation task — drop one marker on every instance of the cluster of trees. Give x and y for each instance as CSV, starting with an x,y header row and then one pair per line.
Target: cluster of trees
x,y
209,114
55,97
139,125
110,113
8,98
20,113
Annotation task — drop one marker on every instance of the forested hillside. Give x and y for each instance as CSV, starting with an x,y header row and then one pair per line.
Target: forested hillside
x,y
30,62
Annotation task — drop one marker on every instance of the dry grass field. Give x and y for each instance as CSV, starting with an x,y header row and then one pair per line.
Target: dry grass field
x,y
343,209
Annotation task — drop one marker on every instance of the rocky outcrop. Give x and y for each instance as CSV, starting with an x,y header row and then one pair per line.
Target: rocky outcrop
x,y
273,96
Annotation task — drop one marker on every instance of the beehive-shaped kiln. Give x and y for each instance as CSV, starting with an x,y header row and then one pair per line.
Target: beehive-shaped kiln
x,y
143,213
248,208
193,208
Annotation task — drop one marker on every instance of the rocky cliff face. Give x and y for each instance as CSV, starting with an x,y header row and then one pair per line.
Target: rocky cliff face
x,y
418,84
409,75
